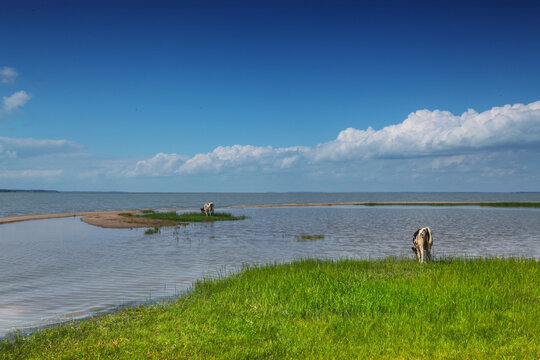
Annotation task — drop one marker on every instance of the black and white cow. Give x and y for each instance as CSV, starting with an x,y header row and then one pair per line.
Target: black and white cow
x,y
422,240
208,209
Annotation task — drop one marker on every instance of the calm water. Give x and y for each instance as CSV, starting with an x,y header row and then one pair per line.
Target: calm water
x,y
59,269
12,204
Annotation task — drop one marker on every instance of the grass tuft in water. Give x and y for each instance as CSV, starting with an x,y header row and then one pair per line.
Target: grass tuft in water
x,y
154,230
308,237
147,211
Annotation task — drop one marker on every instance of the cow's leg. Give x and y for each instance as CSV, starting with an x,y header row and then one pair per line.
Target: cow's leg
x,y
421,251
428,252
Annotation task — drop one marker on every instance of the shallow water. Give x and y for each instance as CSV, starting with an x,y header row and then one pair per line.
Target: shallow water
x,y
23,203
59,269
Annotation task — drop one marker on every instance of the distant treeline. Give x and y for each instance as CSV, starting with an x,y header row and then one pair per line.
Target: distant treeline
x,y
33,191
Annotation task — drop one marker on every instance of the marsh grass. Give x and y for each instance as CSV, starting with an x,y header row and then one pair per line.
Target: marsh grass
x,y
154,230
191,217
532,204
147,211
305,237
380,309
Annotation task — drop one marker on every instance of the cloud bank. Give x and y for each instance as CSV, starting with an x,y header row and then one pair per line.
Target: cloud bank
x,y
25,147
17,174
423,133
434,133
494,150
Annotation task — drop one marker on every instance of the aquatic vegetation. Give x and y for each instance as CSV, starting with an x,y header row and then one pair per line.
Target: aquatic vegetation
x,y
154,230
389,308
147,211
192,217
150,218
308,237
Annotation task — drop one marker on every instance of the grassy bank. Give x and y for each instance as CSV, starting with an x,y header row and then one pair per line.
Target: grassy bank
x,y
531,204
465,309
182,218
190,216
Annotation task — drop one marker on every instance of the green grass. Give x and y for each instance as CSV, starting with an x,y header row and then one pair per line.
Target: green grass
x,y
148,211
305,237
154,230
191,217
384,309
532,204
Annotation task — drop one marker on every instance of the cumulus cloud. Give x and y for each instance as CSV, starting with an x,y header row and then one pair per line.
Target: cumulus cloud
x,y
160,164
424,133
16,100
25,147
236,157
8,75
241,156
433,133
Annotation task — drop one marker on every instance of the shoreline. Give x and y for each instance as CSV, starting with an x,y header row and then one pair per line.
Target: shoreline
x,y
240,315
113,219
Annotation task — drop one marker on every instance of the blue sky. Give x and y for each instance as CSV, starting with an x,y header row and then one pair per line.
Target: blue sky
x,y
270,96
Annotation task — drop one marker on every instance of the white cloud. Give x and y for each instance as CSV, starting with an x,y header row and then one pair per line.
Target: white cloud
x,y
221,158
432,133
225,155
424,133
6,153
160,164
241,156
17,174
24,147
16,100
8,75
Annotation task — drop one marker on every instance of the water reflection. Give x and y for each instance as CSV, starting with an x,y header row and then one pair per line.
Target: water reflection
x,y
52,270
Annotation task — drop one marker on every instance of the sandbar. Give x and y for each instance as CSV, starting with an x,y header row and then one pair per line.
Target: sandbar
x,y
104,219
118,220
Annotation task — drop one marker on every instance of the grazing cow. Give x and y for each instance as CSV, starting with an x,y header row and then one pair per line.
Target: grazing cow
x,y
422,240
208,209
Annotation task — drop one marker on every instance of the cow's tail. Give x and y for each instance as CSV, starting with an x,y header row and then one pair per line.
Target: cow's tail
x,y
429,237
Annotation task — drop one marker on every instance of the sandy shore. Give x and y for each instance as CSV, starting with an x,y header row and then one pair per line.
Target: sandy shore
x,y
105,219
113,219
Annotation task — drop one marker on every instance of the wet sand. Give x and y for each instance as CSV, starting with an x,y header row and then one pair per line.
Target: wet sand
x,y
104,219
113,219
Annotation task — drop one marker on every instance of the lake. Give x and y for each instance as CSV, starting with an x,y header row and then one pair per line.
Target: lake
x,y
22,203
60,269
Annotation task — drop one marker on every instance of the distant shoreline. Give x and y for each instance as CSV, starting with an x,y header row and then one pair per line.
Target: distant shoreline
x,y
113,219
27,191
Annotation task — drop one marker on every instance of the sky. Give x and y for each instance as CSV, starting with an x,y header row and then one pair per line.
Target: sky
x,y
257,96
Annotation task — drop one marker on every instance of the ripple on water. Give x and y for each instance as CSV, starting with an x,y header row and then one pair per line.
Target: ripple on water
x,y
59,269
